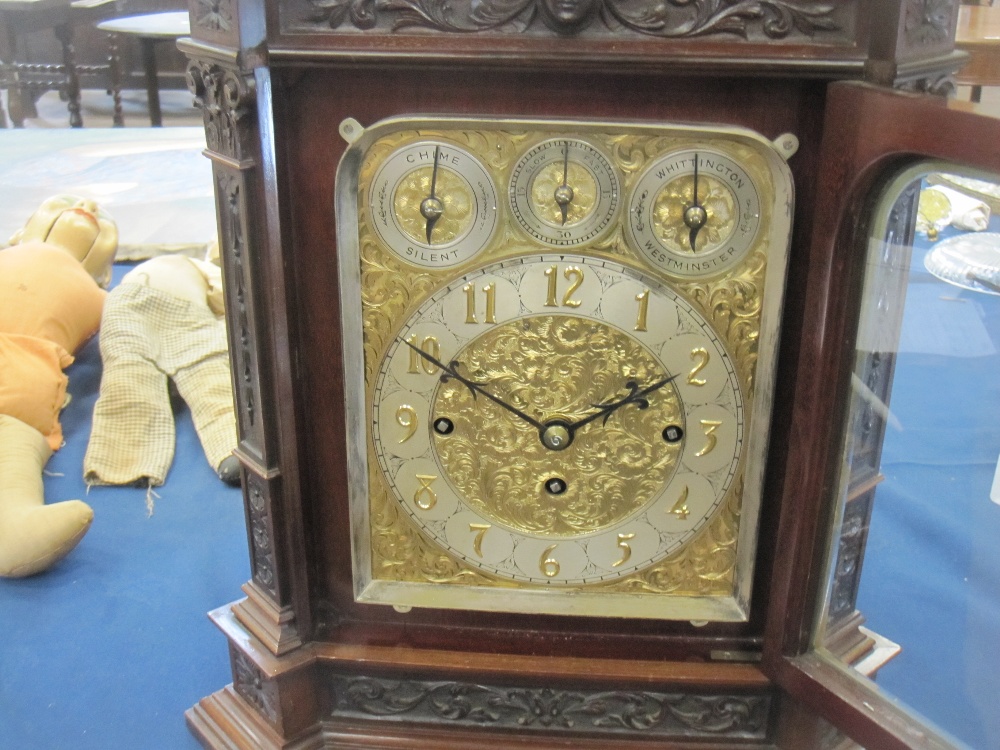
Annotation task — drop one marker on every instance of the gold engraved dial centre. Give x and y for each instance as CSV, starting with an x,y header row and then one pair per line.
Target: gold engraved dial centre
x,y
557,369
674,214
453,205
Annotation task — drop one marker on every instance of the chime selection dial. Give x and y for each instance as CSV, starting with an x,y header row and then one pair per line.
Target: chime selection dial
x,y
433,204
694,212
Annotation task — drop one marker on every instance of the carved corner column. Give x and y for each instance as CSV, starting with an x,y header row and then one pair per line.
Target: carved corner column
x,y
228,99
264,629
913,46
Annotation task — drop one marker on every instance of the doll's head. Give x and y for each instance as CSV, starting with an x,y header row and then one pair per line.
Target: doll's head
x,y
80,227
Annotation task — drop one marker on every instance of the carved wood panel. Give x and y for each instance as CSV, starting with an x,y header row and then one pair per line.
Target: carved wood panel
x,y
735,20
554,711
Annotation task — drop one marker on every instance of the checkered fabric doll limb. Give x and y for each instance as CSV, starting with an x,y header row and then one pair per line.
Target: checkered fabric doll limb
x,y
162,323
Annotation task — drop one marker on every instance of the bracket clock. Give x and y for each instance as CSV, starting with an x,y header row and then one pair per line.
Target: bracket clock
x,y
538,314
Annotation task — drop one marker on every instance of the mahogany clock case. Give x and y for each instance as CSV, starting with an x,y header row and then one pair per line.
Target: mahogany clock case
x,y
306,116
276,80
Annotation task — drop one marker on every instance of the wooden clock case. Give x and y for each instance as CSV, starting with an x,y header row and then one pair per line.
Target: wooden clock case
x,y
312,668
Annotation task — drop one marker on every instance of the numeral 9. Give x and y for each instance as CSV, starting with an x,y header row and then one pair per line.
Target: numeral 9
x,y
406,417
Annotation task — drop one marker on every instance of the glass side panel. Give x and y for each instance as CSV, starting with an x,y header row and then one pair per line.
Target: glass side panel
x,y
913,596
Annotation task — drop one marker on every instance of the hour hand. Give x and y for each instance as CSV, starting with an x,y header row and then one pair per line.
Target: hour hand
x,y
635,396
451,371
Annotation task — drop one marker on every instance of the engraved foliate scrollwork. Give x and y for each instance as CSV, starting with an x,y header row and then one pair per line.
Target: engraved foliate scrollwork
x,y
536,366
734,305
770,19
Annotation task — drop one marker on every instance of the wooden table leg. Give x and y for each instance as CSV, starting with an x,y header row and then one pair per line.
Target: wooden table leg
x,y
148,50
115,70
64,33
15,96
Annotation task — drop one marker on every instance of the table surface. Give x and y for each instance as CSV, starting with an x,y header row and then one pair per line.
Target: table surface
x,y
156,183
152,25
978,25
978,33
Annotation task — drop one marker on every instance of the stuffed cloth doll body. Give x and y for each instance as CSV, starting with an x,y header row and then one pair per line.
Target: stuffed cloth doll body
x,y
49,306
160,325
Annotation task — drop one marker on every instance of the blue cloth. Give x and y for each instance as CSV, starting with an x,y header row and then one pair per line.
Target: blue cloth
x,y
108,648
931,579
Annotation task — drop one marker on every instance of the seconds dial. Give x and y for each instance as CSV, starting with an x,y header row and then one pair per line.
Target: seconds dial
x,y
564,192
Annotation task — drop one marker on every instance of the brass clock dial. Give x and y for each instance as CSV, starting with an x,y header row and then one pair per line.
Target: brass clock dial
x,y
547,416
550,438
695,212
433,204
564,192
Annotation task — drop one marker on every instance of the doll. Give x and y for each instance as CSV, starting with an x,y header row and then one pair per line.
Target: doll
x,y
50,304
162,323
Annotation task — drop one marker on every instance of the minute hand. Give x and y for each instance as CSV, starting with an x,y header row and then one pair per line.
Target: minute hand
x,y
451,371
635,396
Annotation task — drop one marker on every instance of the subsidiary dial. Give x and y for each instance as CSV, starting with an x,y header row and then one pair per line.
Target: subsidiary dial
x,y
694,213
433,204
564,192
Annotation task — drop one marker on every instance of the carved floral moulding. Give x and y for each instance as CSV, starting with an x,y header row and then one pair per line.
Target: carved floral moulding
x,y
928,26
614,713
769,21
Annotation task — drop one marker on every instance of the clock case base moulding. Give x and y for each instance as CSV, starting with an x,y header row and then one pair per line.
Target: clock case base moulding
x,y
394,696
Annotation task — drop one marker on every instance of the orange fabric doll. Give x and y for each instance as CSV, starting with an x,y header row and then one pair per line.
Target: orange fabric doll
x,y
50,304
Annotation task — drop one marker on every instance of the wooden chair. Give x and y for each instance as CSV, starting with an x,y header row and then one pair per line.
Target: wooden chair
x,y
26,81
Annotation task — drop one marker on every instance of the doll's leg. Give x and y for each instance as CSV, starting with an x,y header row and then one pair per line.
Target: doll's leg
x,y
132,438
207,388
33,536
